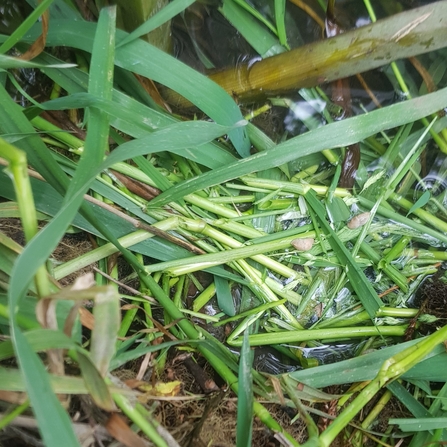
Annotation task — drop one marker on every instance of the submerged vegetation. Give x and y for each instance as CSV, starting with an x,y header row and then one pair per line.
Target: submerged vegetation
x,y
238,272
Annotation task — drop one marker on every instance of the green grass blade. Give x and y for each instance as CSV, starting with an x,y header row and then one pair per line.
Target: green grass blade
x,y
167,13
7,62
54,423
280,13
224,296
38,340
100,85
182,135
365,367
265,43
419,424
17,35
179,135
339,134
244,429
134,118
147,60
357,279
96,144
12,121
410,402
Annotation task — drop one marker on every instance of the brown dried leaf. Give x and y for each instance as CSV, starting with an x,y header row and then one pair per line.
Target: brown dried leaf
x,y
39,45
118,428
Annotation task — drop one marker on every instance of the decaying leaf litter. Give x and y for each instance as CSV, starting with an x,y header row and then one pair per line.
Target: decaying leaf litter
x,y
310,278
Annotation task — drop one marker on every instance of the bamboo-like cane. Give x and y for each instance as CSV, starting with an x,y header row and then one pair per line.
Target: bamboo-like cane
x,y
403,35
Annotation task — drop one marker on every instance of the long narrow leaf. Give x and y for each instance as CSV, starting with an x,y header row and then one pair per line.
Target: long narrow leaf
x,y
54,422
132,117
361,285
153,63
366,367
244,428
339,134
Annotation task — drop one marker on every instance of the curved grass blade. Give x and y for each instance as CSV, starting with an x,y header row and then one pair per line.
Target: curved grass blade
x,y
147,60
365,367
339,134
264,42
132,117
25,26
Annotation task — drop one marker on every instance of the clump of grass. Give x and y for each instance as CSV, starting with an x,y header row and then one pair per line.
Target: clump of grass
x,y
304,267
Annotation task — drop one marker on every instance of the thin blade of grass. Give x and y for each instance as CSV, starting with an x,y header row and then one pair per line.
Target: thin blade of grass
x,y
265,43
53,421
339,134
280,17
419,424
361,285
17,35
39,340
410,402
180,135
244,428
147,60
134,118
7,62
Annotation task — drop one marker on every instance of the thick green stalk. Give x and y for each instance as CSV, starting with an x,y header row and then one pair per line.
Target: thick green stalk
x,y
390,370
358,316
217,363
378,407
110,248
64,137
273,338
215,208
432,220
204,297
239,251
391,214
297,188
18,169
